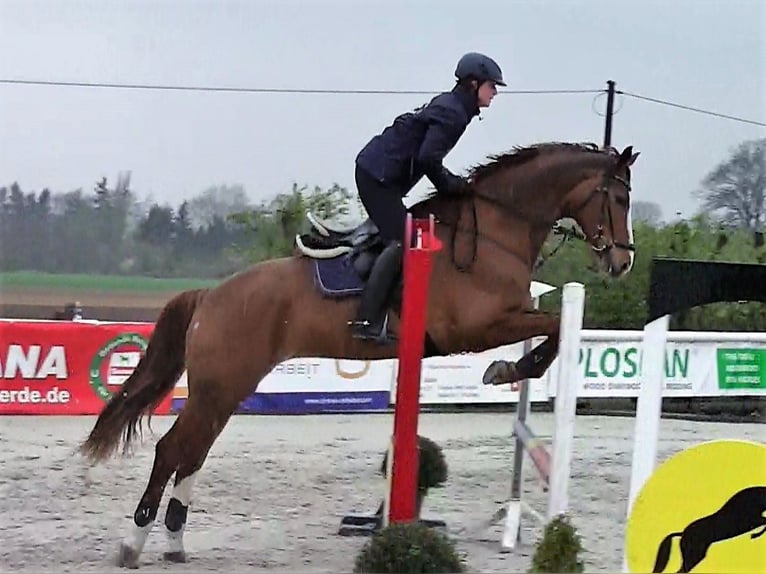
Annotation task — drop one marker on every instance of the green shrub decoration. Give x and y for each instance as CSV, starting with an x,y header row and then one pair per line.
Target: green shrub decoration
x,y
559,548
404,548
432,467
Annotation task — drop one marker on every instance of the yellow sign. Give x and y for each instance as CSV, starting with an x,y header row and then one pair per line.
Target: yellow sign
x,y
702,510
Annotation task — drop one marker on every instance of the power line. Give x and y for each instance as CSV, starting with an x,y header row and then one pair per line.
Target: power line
x,y
231,89
693,109
193,88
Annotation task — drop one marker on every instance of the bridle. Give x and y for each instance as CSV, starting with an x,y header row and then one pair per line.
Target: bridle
x,y
597,242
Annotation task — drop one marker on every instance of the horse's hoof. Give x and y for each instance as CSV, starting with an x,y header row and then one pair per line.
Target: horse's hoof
x,y
178,556
127,557
499,372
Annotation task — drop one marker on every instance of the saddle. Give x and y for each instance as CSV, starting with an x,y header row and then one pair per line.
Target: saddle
x,y
360,243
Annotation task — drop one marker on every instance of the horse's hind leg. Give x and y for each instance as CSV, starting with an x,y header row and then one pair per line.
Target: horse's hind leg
x,y
143,518
195,452
180,447
177,512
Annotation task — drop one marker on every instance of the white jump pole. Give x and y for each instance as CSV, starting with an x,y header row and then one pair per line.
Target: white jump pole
x,y
572,311
648,409
512,526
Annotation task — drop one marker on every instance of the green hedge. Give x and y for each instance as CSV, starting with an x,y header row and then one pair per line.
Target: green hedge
x,y
621,304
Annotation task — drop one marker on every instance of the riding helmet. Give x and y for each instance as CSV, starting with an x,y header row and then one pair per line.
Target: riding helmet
x,y
474,65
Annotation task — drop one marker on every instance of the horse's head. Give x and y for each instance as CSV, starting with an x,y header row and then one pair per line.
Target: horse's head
x,y
523,192
601,206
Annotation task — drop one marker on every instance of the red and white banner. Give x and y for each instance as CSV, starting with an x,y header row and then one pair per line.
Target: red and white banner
x,y
67,368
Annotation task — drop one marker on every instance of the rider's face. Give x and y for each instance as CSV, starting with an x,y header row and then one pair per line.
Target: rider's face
x,y
487,91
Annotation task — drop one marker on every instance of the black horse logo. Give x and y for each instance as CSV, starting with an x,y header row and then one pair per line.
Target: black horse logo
x,y
743,512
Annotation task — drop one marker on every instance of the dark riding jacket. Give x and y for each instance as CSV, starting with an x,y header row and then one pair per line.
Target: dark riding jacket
x,y
416,143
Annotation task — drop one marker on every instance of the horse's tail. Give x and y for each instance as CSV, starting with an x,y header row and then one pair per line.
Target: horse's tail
x,y
663,552
153,378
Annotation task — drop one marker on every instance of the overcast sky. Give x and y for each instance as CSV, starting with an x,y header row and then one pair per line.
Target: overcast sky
x,y
701,53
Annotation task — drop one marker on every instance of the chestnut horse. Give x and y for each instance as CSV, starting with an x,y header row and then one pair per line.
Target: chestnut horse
x,y
228,338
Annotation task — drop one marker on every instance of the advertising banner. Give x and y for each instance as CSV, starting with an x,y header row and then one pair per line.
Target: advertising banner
x,y
692,369
66,368
457,379
70,368
314,385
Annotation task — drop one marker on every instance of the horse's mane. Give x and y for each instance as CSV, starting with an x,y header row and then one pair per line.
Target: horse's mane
x,y
517,156
520,155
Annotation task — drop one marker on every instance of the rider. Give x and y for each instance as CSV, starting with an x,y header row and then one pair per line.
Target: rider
x,y
392,162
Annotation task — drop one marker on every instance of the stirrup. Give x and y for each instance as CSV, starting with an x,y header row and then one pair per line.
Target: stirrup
x,y
363,330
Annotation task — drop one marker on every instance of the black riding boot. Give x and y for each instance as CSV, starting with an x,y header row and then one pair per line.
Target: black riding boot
x,y
371,317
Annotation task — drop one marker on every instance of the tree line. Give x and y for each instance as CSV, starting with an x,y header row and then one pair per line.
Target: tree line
x,y
621,304
110,231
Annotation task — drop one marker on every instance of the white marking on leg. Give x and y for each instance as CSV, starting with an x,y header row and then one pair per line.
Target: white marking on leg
x,y
183,490
137,537
175,540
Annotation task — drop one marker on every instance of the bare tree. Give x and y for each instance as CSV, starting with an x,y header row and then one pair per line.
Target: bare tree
x,y
217,201
736,188
646,211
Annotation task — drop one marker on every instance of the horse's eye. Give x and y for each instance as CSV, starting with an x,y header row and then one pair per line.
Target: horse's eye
x,y
621,201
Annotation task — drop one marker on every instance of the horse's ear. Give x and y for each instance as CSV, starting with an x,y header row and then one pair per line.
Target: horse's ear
x,y
627,157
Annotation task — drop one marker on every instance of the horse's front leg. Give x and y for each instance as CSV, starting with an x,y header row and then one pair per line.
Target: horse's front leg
x,y
520,327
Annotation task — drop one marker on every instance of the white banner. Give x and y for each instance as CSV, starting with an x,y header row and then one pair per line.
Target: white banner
x,y
319,376
328,375
611,368
458,379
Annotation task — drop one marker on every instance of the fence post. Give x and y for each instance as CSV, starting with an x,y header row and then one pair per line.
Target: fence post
x,y
572,309
420,242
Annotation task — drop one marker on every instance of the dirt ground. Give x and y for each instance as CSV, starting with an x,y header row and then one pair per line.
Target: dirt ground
x,y
89,298
273,491
105,305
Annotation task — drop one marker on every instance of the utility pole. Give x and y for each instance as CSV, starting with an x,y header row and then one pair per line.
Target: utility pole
x,y
609,113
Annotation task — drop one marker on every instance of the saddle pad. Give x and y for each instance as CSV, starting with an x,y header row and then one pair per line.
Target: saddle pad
x,y
337,277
